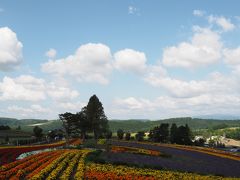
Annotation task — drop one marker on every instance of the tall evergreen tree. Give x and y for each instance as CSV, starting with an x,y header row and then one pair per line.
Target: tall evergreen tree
x,y
160,133
173,133
82,123
184,135
37,132
68,122
120,134
96,116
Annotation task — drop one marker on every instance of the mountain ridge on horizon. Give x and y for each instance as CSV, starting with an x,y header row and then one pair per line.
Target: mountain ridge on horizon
x,y
131,125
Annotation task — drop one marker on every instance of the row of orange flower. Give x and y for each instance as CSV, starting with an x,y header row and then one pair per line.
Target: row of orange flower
x,y
15,169
135,150
210,151
58,164
9,154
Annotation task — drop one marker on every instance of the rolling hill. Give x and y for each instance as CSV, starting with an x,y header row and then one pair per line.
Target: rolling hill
x,y
131,125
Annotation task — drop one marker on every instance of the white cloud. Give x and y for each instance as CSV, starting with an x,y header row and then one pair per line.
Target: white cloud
x,y
33,111
29,88
232,56
132,10
133,103
51,53
204,49
130,60
72,106
215,82
61,93
165,106
90,63
10,49
223,22
25,88
198,13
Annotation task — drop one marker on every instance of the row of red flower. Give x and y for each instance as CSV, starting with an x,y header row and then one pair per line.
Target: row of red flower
x,y
9,154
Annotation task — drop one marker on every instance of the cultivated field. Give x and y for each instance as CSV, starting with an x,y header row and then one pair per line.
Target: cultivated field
x,y
124,160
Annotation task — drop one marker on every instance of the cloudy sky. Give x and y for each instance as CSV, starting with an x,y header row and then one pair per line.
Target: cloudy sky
x,y
143,59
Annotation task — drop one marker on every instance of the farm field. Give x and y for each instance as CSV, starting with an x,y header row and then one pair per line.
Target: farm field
x,y
10,153
120,162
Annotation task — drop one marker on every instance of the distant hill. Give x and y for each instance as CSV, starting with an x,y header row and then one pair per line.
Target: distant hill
x,y
219,117
27,125
194,123
131,125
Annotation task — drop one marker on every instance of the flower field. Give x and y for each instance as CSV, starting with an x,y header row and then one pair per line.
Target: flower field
x,y
70,164
181,159
210,151
9,154
111,172
135,150
59,164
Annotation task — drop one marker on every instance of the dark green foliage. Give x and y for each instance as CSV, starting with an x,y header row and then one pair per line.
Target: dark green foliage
x,y
90,143
18,128
108,134
68,122
219,126
2,127
184,135
96,117
140,135
38,132
173,133
7,139
234,134
127,125
178,135
193,123
95,156
56,133
160,133
216,144
120,134
127,136
199,142
81,123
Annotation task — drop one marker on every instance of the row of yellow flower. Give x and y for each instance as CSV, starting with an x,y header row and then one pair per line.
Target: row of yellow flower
x,y
61,166
210,151
80,168
74,142
11,170
111,172
135,150
44,172
69,170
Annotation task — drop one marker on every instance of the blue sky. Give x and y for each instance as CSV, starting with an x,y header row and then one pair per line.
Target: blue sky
x,y
142,59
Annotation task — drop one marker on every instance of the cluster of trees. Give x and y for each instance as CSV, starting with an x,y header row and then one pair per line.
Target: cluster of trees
x,y
55,134
2,127
174,134
91,119
38,132
164,134
138,136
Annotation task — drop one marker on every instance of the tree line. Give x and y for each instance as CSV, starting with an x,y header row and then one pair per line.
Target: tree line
x,y
91,119
162,134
